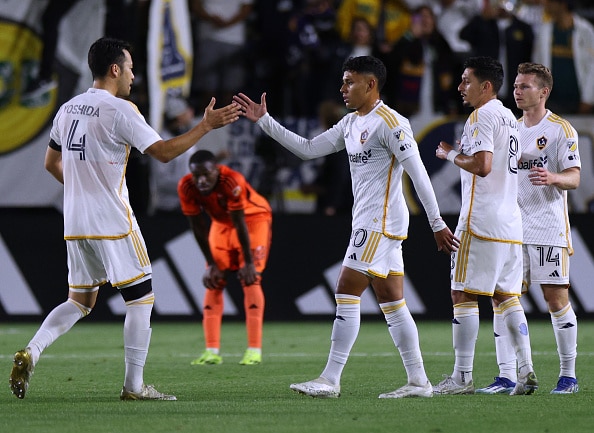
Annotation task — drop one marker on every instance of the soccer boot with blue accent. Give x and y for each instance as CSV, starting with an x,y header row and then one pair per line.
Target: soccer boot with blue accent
x,y
501,385
566,385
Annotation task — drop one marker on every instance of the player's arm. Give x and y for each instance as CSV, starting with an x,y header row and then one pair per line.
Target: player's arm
x,y
53,161
567,179
478,163
213,278
248,273
166,150
200,228
324,144
415,169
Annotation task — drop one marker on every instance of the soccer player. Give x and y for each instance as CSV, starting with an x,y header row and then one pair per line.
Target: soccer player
x,y
90,142
238,240
489,260
550,165
380,146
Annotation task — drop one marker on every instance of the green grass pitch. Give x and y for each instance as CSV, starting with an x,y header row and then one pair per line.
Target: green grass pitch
x,y
76,384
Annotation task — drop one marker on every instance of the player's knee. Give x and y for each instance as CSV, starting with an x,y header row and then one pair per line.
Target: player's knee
x,y
137,291
220,285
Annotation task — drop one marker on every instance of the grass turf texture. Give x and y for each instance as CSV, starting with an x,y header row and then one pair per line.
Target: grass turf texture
x,y
77,382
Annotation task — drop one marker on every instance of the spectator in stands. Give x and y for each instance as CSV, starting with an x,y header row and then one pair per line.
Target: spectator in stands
x,y
565,44
220,59
499,34
452,16
531,12
311,54
389,19
50,24
424,69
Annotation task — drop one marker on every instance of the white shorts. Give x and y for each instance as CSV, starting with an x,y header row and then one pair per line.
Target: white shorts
x,y
93,262
486,267
374,254
545,264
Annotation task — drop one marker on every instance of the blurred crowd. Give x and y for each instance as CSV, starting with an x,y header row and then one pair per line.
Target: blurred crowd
x,y
294,50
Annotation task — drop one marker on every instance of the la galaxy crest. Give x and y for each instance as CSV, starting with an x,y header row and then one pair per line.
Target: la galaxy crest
x,y
541,142
364,136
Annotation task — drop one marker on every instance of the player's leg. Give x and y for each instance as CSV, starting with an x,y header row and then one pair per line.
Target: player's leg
x,y
468,272
565,328
350,286
85,275
404,333
260,232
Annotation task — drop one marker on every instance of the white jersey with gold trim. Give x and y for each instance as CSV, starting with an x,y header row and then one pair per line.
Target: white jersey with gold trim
x,y
96,131
378,145
490,209
552,144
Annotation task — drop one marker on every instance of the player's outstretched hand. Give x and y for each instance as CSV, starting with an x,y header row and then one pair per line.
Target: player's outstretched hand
x,y
249,108
217,118
446,241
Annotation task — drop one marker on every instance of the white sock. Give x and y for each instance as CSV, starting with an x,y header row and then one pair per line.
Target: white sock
x,y
137,337
565,329
403,330
465,328
506,354
57,323
344,333
515,321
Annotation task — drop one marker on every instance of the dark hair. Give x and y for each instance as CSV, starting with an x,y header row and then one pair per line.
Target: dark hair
x,y
486,69
105,52
202,156
542,73
367,65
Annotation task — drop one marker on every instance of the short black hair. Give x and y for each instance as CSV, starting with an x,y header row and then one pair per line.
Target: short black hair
x,y
486,69
367,65
105,52
202,156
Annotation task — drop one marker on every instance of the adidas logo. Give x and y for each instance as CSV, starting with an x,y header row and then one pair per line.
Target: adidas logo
x,y
353,256
567,326
554,274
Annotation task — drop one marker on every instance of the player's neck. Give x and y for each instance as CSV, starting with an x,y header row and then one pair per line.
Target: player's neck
x,y
533,116
368,107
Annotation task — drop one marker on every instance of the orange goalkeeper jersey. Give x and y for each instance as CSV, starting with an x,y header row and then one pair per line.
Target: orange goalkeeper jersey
x,y
232,192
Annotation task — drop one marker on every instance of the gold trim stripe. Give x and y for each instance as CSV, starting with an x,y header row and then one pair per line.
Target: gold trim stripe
x,y
388,116
371,247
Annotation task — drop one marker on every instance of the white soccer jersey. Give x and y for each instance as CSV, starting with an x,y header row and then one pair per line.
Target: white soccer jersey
x,y
490,209
96,131
377,144
552,144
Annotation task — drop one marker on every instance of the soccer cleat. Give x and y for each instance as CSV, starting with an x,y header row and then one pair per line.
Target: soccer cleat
x,y
410,390
502,385
319,387
208,358
22,370
526,384
566,385
449,387
251,357
148,392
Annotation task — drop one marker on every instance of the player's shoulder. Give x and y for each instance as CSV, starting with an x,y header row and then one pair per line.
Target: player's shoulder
x,y
563,125
390,117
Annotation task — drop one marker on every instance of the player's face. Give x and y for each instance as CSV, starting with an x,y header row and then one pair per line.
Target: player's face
x,y
470,88
527,91
126,76
206,176
355,89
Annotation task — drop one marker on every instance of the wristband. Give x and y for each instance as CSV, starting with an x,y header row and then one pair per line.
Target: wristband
x,y
452,154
